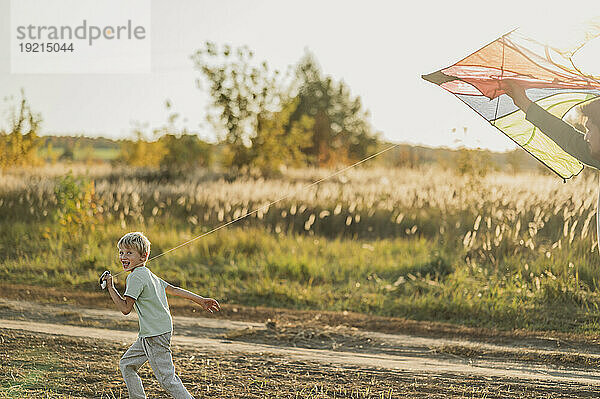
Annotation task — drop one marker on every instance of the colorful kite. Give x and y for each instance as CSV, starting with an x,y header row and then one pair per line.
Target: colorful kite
x,y
548,71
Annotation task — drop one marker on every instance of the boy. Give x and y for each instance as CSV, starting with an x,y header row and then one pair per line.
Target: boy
x,y
147,293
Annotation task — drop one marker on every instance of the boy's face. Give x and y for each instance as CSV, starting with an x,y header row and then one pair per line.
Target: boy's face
x,y
592,137
130,258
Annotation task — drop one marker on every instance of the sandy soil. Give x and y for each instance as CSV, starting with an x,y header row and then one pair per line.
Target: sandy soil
x,y
64,349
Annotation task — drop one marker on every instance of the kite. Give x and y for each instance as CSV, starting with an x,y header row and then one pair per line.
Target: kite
x,y
548,70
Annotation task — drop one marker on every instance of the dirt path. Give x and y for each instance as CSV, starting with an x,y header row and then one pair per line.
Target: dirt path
x,y
341,346
421,359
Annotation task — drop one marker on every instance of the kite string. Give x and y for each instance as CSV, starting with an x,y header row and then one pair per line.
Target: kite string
x,y
269,204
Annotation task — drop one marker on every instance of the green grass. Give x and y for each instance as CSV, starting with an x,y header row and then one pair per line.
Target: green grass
x,y
414,278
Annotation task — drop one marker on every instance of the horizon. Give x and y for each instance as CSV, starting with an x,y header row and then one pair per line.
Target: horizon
x,y
383,142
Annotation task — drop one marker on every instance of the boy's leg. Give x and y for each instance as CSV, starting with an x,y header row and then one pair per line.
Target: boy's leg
x,y
158,350
131,361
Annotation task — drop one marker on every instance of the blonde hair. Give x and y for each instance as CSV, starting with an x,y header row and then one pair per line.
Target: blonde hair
x,y
136,240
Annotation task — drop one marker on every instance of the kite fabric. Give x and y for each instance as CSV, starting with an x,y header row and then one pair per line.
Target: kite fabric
x,y
548,72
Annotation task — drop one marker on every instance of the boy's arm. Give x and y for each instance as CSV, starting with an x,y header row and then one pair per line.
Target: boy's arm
x,y
563,134
208,304
123,304
566,136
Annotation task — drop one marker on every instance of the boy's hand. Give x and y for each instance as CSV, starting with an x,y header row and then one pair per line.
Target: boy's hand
x,y
512,87
209,304
109,280
515,90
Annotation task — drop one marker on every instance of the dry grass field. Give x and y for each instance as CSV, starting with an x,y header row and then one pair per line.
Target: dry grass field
x,y
503,255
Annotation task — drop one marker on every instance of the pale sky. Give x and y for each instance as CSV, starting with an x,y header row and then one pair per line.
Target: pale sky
x,y
379,48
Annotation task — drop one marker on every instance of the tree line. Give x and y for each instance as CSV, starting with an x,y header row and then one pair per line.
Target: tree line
x,y
264,120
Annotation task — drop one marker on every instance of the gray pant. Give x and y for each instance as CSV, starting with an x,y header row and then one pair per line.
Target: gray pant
x,y
157,351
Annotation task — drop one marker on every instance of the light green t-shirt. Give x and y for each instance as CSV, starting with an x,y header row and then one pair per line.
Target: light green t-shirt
x,y
150,302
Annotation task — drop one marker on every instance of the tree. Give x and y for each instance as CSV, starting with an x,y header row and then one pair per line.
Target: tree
x,y
184,152
19,144
405,157
270,120
474,163
275,146
240,93
140,152
341,131
69,153
173,149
